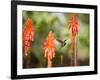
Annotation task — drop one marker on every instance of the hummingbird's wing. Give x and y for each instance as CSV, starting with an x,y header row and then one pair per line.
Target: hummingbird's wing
x,y
57,42
60,41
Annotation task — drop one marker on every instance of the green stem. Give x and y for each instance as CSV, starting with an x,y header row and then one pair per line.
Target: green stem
x,y
74,51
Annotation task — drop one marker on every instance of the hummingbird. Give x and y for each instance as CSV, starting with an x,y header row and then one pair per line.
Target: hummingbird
x,y
60,43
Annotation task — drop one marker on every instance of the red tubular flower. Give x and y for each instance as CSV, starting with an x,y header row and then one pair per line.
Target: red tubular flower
x,y
73,25
49,47
28,35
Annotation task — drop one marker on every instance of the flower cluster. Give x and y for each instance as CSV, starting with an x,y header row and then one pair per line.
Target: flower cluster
x,y
49,46
28,35
73,25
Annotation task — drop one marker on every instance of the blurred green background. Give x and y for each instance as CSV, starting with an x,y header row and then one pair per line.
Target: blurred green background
x,y
58,23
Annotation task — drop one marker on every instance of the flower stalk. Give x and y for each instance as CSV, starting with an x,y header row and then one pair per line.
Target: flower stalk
x,y
28,35
73,28
49,49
